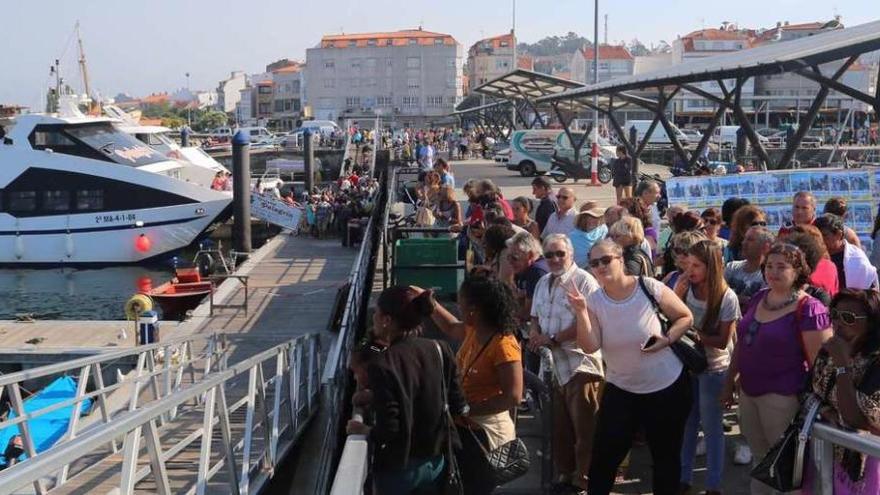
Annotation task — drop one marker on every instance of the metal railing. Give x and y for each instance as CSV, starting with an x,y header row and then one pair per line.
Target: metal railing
x,y
259,419
336,374
160,366
822,441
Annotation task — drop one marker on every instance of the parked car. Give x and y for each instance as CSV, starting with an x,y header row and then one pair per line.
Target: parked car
x,y
692,135
659,135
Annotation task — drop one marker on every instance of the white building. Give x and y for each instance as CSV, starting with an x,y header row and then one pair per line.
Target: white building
x,y
491,58
286,98
229,91
412,77
614,61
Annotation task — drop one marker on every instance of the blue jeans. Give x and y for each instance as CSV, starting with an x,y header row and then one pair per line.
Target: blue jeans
x,y
706,412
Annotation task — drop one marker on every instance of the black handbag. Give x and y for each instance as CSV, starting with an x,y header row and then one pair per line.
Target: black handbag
x,y
508,461
783,467
687,348
451,483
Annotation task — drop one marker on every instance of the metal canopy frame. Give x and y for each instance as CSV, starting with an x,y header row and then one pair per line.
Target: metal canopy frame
x,y
492,118
658,88
522,88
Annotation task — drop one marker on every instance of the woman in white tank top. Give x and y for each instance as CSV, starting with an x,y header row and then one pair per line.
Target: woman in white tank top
x,y
647,385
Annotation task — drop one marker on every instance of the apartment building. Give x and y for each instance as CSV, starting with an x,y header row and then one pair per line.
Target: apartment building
x,y
614,61
491,58
286,97
412,77
229,91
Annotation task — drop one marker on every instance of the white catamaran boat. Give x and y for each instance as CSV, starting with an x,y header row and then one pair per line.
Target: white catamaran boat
x,y
77,190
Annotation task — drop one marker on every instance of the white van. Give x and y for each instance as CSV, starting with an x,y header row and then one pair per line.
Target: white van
x,y
531,151
325,127
659,135
725,135
258,134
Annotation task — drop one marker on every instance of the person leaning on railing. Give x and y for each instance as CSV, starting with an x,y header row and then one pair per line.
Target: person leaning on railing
x,y
846,375
491,374
406,382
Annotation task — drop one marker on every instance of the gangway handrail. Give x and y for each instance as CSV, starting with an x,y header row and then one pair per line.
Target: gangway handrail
x,y
286,358
823,438
154,361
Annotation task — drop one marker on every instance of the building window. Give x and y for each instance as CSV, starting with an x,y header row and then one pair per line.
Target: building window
x,y
435,101
371,63
451,81
383,101
450,62
355,63
410,101
329,64
438,41
370,82
412,41
264,108
329,83
504,44
502,64
412,82
371,42
265,90
353,101
352,43
388,42
413,63
389,62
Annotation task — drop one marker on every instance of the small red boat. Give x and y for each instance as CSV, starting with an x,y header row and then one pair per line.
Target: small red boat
x,y
184,292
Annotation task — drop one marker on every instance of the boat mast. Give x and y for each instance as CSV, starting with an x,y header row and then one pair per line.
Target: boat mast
x,y
93,104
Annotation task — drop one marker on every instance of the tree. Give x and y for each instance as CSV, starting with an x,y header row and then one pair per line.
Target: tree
x,y
173,122
637,48
211,120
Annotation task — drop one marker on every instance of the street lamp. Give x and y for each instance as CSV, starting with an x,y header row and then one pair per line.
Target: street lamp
x,y
189,103
513,68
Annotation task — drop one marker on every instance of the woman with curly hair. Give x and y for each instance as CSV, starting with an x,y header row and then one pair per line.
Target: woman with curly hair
x,y
490,371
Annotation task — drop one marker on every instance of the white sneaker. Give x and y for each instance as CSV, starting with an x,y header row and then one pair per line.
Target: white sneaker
x,y
742,455
701,446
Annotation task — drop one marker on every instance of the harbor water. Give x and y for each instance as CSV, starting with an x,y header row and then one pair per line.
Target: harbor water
x,y
74,294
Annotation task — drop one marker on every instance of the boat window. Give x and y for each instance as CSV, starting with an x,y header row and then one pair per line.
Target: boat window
x,y
89,199
117,146
56,200
150,139
22,201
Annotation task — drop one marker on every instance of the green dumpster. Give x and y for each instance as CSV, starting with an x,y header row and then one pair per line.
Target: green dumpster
x,y
428,263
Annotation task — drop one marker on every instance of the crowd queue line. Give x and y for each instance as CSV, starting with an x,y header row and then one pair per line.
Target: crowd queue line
x,y
777,315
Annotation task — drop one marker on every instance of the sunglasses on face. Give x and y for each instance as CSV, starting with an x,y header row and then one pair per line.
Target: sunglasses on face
x,y
554,254
759,224
846,317
603,261
711,221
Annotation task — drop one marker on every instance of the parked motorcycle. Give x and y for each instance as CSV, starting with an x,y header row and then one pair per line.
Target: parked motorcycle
x,y
562,169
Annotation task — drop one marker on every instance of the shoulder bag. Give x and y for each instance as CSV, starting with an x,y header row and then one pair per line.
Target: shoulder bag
x,y
451,484
782,468
687,348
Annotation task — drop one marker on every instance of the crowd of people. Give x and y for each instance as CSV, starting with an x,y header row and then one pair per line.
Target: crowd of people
x,y
609,291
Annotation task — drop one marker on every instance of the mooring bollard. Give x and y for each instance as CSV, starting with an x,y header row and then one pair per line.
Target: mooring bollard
x,y
241,192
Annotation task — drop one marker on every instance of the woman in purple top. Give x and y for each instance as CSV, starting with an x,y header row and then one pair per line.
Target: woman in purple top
x,y
778,337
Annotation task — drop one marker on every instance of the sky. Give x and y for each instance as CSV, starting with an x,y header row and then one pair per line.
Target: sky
x,y
139,47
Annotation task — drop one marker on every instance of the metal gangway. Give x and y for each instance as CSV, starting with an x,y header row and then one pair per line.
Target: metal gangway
x,y
183,420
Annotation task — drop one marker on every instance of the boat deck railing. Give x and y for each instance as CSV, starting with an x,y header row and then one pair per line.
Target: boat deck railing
x,y
260,405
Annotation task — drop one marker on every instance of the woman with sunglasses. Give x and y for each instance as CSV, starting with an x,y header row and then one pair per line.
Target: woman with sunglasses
x,y
779,335
716,310
745,218
646,384
846,375
406,382
490,370
712,226
679,246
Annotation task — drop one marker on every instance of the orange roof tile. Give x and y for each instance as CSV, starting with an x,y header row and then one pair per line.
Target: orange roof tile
x,y
494,42
608,52
396,38
288,70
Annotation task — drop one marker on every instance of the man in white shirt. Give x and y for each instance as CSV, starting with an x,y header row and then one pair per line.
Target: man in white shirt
x,y
562,222
579,375
854,270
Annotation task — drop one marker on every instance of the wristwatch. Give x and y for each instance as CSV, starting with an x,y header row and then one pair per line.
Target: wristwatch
x,y
553,339
841,370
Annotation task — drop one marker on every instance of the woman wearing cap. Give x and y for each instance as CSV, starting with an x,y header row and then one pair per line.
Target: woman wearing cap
x,y
588,230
